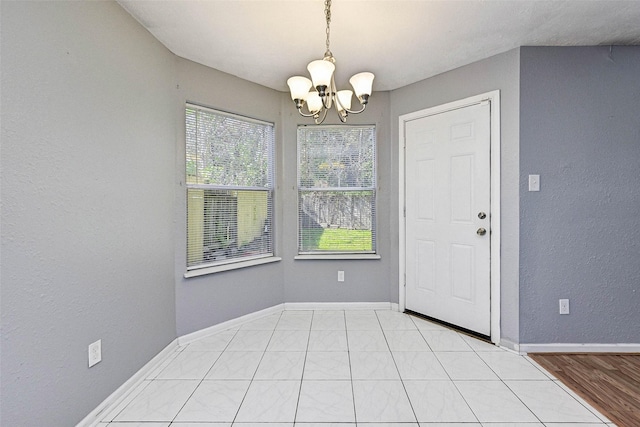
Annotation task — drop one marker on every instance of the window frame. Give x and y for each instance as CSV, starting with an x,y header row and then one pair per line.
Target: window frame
x,y
336,254
232,263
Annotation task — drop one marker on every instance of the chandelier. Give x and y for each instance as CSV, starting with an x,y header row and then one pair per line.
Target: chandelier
x,y
320,100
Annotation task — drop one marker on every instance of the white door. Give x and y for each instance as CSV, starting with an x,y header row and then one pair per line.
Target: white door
x,y
447,201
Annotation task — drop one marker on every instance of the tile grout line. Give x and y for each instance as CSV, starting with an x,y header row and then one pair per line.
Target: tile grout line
x,y
560,385
146,380
201,380
404,387
353,392
506,385
415,416
435,355
304,365
254,374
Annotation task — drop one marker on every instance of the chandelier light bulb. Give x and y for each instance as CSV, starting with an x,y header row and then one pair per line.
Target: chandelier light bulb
x,y
314,102
344,100
321,72
362,84
299,87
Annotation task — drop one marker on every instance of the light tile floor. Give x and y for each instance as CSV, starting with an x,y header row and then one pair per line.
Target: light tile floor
x,y
370,368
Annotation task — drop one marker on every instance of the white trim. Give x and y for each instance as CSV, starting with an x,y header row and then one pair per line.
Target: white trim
x,y
338,256
494,98
395,307
231,265
496,237
337,306
95,416
238,321
580,348
509,345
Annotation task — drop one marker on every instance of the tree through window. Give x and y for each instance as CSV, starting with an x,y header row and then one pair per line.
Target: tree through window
x,y
336,189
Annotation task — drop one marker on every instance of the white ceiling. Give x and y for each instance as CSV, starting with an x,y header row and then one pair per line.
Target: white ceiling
x,y
401,42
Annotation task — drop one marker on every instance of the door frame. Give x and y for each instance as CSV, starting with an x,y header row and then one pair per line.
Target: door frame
x,y
494,164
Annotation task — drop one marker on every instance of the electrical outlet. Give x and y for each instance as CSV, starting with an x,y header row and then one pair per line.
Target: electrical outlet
x,y
340,276
95,353
564,306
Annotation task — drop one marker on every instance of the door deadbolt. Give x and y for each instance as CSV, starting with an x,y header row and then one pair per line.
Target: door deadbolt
x,y
481,231
482,215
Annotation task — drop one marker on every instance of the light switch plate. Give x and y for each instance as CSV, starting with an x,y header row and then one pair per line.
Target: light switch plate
x,y
534,182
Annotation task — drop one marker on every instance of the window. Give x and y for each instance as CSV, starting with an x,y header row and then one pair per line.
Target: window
x,y
336,189
229,175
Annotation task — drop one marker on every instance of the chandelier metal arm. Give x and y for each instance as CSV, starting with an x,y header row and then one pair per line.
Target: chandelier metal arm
x,y
364,106
306,114
317,118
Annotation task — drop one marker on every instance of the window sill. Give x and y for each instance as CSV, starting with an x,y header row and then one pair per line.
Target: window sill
x,y
337,256
230,266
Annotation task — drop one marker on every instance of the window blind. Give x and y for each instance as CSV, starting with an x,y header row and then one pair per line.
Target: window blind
x,y
229,177
336,189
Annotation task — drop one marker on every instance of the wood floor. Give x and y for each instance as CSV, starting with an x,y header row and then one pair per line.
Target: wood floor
x,y
609,382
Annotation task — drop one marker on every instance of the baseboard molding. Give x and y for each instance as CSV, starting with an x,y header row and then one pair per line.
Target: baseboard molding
x,y
95,416
238,321
509,345
579,348
337,306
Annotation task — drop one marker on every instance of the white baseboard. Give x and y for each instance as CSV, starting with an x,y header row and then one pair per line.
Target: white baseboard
x,y
337,306
579,348
509,345
238,321
95,416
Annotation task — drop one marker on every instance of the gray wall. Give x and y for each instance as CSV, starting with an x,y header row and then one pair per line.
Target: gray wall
x,y
580,235
498,72
88,161
208,300
317,280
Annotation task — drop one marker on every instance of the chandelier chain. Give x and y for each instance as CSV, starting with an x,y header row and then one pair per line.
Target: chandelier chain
x,y
327,13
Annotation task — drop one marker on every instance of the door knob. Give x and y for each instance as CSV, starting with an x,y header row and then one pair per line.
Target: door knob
x,y
481,231
482,215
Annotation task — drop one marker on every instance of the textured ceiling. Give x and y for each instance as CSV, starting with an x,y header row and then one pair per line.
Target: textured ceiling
x,y
401,42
